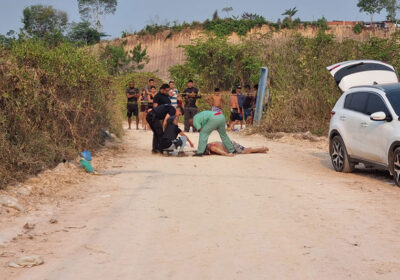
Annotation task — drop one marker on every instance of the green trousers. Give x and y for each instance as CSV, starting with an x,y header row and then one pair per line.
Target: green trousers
x,y
214,123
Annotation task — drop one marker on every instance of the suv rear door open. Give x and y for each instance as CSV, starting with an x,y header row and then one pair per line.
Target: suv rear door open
x,y
353,73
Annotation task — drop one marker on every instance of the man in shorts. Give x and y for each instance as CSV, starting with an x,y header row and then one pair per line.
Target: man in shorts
x,y
235,110
217,148
132,94
217,102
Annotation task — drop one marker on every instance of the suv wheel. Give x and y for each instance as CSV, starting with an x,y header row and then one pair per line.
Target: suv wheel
x,y
339,156
396,166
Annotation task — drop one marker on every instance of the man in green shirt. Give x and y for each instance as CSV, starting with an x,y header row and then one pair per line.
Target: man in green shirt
x,y
206,122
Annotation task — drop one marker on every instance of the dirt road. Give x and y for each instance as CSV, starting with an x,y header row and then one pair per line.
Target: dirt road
x,y
284,215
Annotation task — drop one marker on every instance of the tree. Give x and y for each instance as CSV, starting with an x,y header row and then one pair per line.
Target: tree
x,y
227,10
371,7
84,34
139,57
40,21
215,15
93,10
290,13
391,7
116,59
251,16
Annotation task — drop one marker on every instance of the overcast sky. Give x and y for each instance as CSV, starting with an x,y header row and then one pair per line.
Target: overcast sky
x,y
133,15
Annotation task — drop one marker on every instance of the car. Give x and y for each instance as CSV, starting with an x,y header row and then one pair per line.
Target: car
x,y
365,122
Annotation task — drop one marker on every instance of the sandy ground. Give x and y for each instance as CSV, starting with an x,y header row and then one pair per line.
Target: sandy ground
x,y
284,215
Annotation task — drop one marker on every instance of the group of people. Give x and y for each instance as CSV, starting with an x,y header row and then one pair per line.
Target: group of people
x,y
161,112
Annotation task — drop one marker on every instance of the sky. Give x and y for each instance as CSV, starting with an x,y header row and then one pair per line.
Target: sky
x,y
133,15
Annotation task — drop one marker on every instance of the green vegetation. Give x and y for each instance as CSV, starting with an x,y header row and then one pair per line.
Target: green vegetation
x,y
92,10
118,61
55,102
302,91
358,28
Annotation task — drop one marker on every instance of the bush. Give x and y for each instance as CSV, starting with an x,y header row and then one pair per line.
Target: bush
x,y
55,102
358,28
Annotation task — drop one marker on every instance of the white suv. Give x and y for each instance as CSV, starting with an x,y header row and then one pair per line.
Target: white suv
x,y
365,123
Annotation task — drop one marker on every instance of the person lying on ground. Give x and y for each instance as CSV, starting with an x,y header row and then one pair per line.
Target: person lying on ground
x,y
206,122
216,100
157,119
235,112
217,148
170,140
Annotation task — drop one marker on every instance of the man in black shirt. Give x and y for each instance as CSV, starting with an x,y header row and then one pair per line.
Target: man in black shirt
x,y
248,105
191,94
162,97
132,94
170,140
157,120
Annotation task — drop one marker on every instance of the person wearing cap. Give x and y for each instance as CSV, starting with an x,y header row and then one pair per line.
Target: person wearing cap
x,y
206,122
170,140
191,94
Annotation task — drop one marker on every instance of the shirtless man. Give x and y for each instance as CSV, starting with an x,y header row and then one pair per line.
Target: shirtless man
x,y
235,110
217,103
217,148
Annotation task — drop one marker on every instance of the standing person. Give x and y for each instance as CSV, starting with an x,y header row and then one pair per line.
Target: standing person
x,y
234,106
191,94
162,97
240,98
147,88
157,120
206,122
145,99
217,102
173,94
132,94
153,93
248,105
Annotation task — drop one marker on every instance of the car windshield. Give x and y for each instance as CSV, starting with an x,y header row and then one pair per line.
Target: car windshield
x,y
394,99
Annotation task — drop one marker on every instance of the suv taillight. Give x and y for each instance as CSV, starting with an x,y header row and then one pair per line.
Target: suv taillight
x,y
332,113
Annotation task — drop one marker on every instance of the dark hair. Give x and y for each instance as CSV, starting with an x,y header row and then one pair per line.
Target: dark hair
x,y
164,86
238,87
247,86
152,87
180,108
171,82
233,90
216,89
131,82
256,86
190,81
151,80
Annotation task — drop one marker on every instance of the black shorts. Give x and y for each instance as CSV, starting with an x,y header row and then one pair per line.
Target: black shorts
x,y
236,116
144,107
132,109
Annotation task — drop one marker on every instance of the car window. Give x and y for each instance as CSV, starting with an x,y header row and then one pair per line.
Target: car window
x,y
347,101
375,104
394,99
358,101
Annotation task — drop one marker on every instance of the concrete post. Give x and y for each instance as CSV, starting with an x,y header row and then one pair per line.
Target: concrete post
x,y
262,87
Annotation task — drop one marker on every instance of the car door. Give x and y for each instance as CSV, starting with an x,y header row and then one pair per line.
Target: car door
x,y
350,117
374,134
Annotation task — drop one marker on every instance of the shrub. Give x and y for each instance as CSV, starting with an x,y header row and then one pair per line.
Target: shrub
x,y
358,28
55,102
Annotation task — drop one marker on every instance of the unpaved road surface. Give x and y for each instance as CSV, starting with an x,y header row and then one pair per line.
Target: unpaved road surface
x,y
284,215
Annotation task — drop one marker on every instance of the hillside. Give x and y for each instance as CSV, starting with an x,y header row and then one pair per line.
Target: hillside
x,y
163,47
